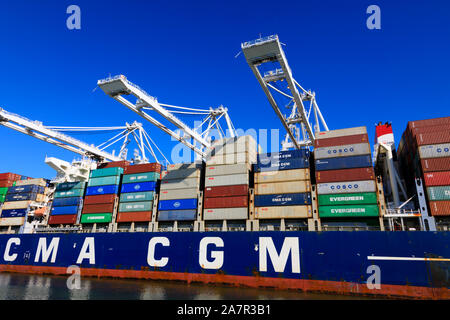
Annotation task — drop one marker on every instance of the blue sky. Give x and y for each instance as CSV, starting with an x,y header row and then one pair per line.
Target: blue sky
x,y
184,54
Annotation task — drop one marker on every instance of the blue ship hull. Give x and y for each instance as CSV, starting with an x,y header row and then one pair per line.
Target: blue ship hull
x,y
408,264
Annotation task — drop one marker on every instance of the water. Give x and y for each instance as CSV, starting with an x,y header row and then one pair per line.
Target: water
x,y
37,287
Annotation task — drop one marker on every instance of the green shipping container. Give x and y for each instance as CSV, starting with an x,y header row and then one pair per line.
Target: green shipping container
x,y
438,193
348,199
2,198
107,172
104,181
348,211
3,191
96,218
65,186
69,193
137,196
136,206
140,177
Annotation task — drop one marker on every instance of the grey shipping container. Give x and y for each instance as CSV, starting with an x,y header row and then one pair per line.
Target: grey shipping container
x,y
342,151
341,132
227,180
187,193
283,187
225,214
182,174
282,175
226,169
435,151
180,184
346,187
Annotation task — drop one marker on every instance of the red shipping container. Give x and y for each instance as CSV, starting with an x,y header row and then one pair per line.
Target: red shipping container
x,y
63,219
340,141
114,164
440,208
433,138
141,216
140,168
226,191
341,175
415,131
428,123
6,183
436,164
437,178
103,198
98,208
226,202
10,176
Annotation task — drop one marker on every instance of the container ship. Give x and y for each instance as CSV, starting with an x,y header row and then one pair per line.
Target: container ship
x,y
325,214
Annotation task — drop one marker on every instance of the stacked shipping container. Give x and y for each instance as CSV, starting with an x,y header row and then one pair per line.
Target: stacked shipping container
x,y
7,180
228,177
138,192
345,177
67,203
424,152
19,200
100,203
179,192
282,185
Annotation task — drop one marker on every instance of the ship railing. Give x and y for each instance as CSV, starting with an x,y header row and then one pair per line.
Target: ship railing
x,y
259,41
406,212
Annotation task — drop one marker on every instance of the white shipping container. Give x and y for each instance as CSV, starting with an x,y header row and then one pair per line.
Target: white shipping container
x,y
12,221
178,166
282,175
232,158
225,169
225,214
341,132
434,151
181,174
16,205
180,184
346,187
283,187
227,180
189,193
357,149
279,212
37,182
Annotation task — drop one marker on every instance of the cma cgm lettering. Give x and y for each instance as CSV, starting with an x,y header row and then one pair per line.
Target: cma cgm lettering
x,y
158,252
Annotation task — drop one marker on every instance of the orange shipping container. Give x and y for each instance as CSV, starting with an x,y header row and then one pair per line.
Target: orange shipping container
x,y
440,208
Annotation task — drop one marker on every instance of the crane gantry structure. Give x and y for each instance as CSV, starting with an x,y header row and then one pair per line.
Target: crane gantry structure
x,y
196,139
266,53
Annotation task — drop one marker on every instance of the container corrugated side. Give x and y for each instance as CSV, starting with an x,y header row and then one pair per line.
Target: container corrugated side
x,y
433,137
9,176
38,182
343,163
65,186
342,175
283,164
274,212
436,164
283,155
138,187
347,199
232,158
284,199
92,191
241,141
63,219
96,218
368,210
227,169
346,187
340,133
26,189
137,196
24,197
283,187
438,193
104,181
357,149
3,190
69,193
282,175
122,164
102,198
435,151
14,213
136,206
188,193
225,214
339,141
16,205
433,179
183,166
440,208
226,191
6,183
144,167
72,201
182,174
180,184
141,177
98,208
65,210
139,216
226,202
177,215
12,221
429,122
178,204
227,180
107,172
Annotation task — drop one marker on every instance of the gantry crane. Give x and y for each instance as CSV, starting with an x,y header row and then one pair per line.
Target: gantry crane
x,y
266,53
195,139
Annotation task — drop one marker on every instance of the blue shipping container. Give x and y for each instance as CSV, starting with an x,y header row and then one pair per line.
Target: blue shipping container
x,y
26,189
286,199
14,213
344,163
286,164
138,187
180,215
62,202
70,185
289,154
65,210
111,189
20,197
180,204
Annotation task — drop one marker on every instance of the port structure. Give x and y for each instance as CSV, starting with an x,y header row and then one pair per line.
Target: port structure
x,y
266,53
79,170
197,139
